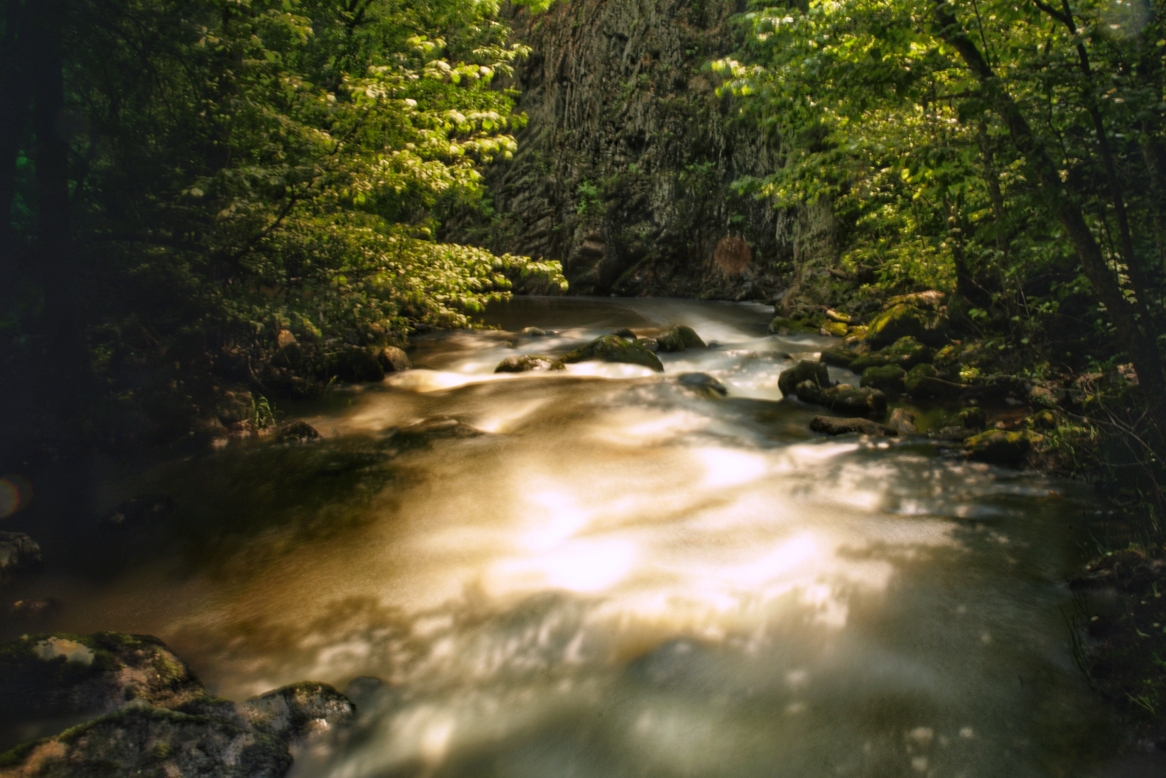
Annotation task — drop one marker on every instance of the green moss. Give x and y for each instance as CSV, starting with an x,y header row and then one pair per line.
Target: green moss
x,y
886,378
835,328
838,356
897,322
1002,447
612,348
796,325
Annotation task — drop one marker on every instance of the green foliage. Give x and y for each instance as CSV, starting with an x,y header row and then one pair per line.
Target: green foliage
x,y
589,199
252,164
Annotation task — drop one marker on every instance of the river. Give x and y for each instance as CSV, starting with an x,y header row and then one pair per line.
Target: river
x,y
621,577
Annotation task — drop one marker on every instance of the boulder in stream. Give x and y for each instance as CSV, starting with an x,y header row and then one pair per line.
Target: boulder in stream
x,y
19,555
844,398
804,370
524,364
679,338
356,365
702,383
427,430
888,379
834,425
296,431
903,422
393,360
612,348
294,712
1002,447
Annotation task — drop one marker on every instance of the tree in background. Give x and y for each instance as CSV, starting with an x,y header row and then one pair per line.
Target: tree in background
x,y
194,176
1012,152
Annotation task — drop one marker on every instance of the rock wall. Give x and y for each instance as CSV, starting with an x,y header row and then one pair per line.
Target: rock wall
x,y
623,172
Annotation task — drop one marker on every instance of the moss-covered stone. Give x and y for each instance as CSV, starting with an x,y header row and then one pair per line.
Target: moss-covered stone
x,y
795,325
1009,448
703,384
888,379
923,382
832,425
143,741
393,359
836,329
355,365
679,338
524,364
972,417
903,320
60,674
1044,420
611,348
293,712
804,370
838,356
844,398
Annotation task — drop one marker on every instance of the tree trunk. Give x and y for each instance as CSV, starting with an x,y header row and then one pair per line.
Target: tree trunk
x,y
1141,344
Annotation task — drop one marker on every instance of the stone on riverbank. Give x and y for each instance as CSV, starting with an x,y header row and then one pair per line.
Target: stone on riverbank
x,y
833,425
902,320
844,398
902,422
1002,447
923,383
19,556
612,348
679,338
888,379
356,365
393,360
906,352
804,370
838,356
524,364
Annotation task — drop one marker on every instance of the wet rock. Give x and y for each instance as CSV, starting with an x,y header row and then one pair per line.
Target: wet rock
x,y
435,427
393,360
651,344
59,674
292,431
151,742
536,332
924,383
833,425
140,510
356,365
625,332
1002,447
889,379
294,712
837,356
952,433
834,329
19,556
902,422
702,383
524,364
679,338
612,348
900,321
862,401
837,316
804,370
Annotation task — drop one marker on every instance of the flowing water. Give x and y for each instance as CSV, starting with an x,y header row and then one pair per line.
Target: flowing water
x,y
622,577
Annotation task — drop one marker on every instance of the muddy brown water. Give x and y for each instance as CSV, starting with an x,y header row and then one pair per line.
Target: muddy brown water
x,y
620,578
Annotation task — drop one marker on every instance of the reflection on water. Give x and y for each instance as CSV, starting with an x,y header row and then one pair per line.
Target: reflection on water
x,y
624,577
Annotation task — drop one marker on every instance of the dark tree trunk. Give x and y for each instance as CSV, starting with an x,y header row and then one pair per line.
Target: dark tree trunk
x,y
1140,342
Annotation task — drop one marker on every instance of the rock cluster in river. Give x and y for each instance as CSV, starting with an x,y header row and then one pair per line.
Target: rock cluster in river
x,y
152,715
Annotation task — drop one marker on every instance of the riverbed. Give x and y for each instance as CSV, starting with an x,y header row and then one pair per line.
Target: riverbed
x,y
621,576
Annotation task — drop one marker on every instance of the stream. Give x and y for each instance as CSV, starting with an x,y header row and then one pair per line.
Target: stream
x,y
621,577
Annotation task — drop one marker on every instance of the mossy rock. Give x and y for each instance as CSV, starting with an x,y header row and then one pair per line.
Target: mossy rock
x,y
900,321
1009,448
1044,420
838,356
355,365
844,398
795,325
293,712
703,384
804,370
612,348
151,742
972,417
61,674
524,364
888,379
393,360
833,425
679,338
836,329
924,383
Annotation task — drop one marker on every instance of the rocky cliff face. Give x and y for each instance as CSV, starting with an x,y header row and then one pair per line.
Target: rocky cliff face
x,y
623,173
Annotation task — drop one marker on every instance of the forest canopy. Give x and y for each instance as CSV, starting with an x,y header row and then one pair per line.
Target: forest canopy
x,y
224,170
